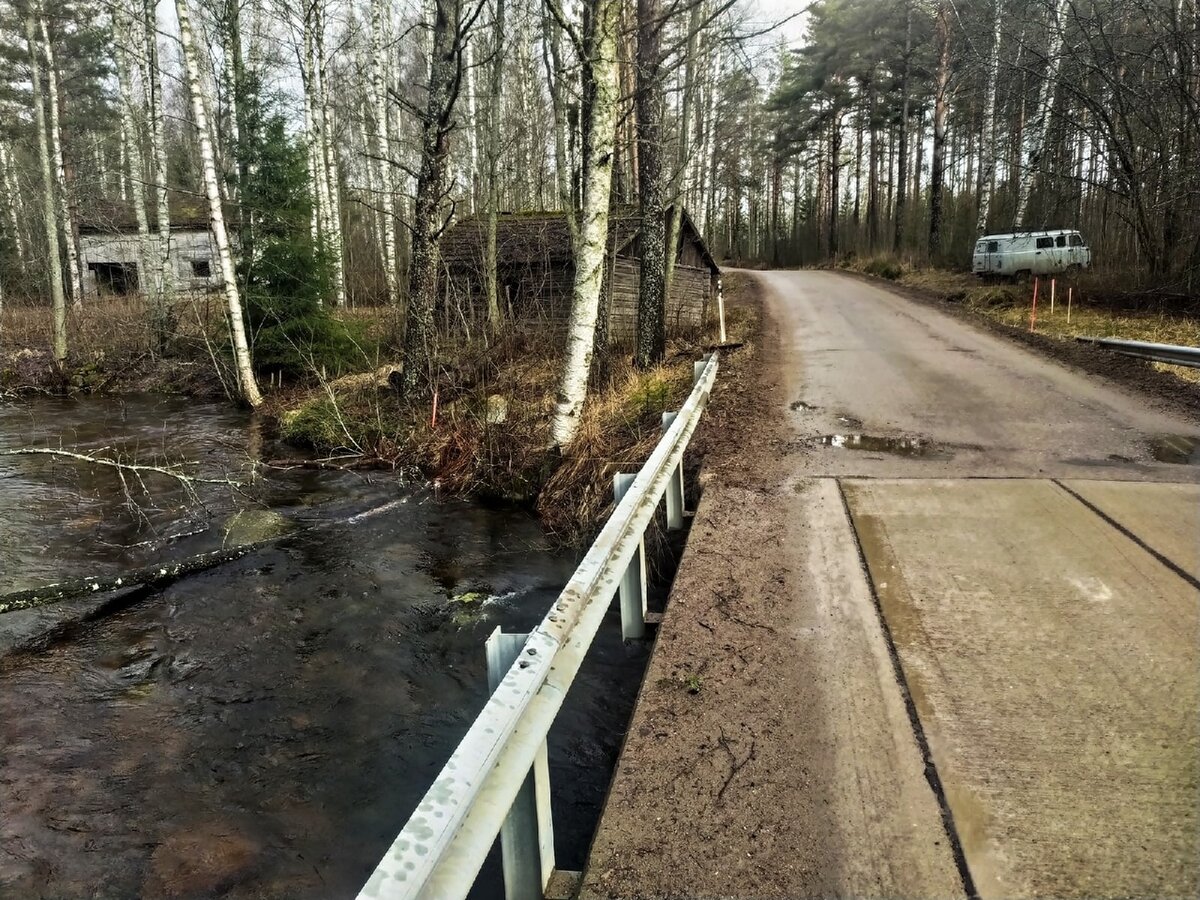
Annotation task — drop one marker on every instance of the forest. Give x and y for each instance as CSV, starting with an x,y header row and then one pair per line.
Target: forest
x,y
328,146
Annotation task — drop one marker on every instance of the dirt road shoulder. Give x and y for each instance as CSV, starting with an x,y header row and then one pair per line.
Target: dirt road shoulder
x,y
770,753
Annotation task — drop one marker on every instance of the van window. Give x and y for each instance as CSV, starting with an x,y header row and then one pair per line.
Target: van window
x,y
993,246
1043,243
1060,241
1076,241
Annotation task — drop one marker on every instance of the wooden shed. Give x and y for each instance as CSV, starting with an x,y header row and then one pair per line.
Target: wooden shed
x,y
536,272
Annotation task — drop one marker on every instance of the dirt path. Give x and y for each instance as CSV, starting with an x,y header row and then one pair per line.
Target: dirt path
x,y
946,724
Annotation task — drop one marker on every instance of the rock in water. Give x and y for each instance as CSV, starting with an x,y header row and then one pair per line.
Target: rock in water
x,y
253,525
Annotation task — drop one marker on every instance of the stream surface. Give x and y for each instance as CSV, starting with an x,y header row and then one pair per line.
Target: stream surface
x,y
262,729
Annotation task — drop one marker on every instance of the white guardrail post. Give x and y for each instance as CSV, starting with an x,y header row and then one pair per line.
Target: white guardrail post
x,y
633,582
497,780
527,835
674,495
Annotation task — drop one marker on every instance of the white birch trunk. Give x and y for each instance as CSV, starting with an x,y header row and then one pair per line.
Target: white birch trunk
x,y
379,105
158,143
237,327
8,180
58,300
329,166
708,161
593,231
65,213
987,150
132,157
1035,134
472,128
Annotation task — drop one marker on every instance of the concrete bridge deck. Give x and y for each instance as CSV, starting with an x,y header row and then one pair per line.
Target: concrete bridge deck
x,y
935,632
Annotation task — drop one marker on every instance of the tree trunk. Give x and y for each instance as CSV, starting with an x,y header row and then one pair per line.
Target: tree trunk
x,y
651,308
835,153
987,149
940,106
495,93
8,180
379,106
563,130
1039,128
420,334
600,128
158,139
65,212
137,187
58,301
237,325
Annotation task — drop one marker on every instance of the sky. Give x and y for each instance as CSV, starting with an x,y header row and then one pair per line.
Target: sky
x,y
770,11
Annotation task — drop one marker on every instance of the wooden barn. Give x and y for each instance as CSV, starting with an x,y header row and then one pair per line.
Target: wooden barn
x,y
536,272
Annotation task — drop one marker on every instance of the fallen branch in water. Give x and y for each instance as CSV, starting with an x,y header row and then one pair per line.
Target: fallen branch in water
x,y
135,468
148,576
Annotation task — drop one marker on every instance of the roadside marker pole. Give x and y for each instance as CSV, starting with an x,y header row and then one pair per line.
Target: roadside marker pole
x,y
1033,312
1052,286
1070,291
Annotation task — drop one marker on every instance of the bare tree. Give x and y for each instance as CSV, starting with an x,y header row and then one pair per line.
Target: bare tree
x,y
237,325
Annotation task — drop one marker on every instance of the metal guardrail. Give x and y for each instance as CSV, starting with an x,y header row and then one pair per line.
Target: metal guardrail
x,y
1171,354
497,780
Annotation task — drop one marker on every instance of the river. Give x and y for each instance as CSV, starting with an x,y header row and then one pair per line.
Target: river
x,y
262,729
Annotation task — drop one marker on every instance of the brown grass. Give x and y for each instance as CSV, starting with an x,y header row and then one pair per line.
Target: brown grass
x,y
1102,306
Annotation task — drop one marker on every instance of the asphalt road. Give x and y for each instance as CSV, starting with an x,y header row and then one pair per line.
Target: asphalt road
x,y
943,600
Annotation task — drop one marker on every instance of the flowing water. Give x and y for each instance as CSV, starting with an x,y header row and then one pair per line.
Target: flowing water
x,y
264,728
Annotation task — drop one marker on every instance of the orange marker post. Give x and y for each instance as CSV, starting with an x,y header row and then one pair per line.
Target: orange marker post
x,y
1053,282
1033,311
1070,291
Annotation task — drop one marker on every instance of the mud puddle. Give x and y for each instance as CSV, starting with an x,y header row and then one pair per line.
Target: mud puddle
x,y
911,447
1180,449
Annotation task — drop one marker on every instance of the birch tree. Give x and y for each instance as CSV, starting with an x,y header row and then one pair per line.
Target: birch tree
x,y
1036,133
379,106
132,154
66,217
987,141
237,327
58,301
492,157
599,56
152,84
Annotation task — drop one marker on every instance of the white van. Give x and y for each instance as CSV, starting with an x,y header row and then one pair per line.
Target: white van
x,y
1030,253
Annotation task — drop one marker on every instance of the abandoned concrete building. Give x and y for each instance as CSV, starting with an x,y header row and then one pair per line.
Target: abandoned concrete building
x,y
110,251
536,272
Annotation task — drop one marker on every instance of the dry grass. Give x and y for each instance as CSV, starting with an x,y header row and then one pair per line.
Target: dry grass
x,y
1101,306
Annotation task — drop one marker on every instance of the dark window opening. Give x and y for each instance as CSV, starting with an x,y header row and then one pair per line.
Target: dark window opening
x,y
1076,241
115,278
993,247
1043,243
201,268
1060,241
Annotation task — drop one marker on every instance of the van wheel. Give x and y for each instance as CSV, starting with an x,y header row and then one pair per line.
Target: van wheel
x,y
1022,276
1074,268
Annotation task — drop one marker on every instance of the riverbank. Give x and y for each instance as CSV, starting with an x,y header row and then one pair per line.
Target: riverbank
x,y
484,433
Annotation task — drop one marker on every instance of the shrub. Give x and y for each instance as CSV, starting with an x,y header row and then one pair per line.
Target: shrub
x,y
884,267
